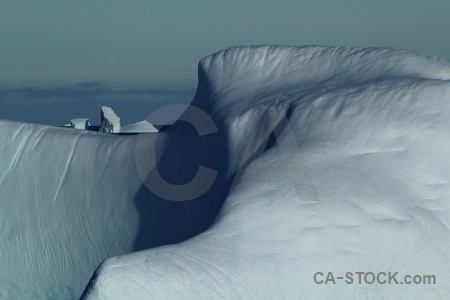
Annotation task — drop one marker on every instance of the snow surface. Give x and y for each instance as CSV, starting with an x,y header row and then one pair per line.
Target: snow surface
x,y
357,180
67,203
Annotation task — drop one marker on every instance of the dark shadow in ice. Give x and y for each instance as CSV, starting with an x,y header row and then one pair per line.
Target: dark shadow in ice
x,y
165,221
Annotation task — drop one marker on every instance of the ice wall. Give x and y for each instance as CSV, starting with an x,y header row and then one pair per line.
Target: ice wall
x,y
67,203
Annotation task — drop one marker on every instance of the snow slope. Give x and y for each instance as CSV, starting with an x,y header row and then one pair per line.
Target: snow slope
x,y
357,179
66,204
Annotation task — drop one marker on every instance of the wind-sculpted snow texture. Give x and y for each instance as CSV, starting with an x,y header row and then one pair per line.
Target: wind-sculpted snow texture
x,y
354,178
66,199
70,199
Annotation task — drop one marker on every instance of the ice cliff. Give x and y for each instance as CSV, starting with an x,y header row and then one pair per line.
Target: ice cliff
x,y
110,122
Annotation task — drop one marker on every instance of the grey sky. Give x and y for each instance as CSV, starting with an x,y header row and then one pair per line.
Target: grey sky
x,y
157,44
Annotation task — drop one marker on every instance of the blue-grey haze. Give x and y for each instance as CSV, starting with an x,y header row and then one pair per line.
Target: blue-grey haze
x,y
142,54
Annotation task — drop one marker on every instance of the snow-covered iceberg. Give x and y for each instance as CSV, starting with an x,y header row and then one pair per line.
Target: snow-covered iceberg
x,y
323,159
337,159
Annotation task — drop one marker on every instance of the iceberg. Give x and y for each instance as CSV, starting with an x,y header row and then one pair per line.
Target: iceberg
x,y
110,122
80,123
291,163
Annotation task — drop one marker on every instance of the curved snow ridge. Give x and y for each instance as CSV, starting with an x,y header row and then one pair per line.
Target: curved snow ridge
x,y
243,87
356,181
247,69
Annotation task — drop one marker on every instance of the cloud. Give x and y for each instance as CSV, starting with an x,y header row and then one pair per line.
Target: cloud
x,y
89,85
79,90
